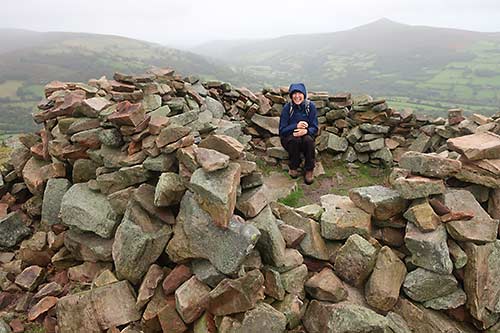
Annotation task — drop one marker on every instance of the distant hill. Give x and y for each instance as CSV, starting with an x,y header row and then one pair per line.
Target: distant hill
x,y
427,68
28,60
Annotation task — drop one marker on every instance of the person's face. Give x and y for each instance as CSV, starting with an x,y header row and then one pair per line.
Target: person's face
x,y
297,97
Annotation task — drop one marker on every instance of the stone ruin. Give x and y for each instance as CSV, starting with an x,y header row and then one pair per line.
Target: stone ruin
x,y
139,207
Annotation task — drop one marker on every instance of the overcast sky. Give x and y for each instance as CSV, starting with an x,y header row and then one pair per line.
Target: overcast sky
x,y
189,22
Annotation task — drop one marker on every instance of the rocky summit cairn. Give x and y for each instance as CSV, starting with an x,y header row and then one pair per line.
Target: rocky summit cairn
x,y
139,207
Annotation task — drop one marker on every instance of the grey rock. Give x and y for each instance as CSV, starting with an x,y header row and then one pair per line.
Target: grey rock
x,y
271,244
293,280
355,260
225,248
123,178
313,244
160,163
169,190
96,310
215,107
84,170
350,155
206,272
374,129
4,327
88,211
293,308
422,285
111,137
397,323
211,160
364,147
185,119
458,256
384,155
343,317
429,250
336,144
429,165
379,201
342,218
421,143
271,124
277,152
251,180
354,135
481,228
151,102
252,201
139,241
216,192
263,318
450,301
12,230
88,246
482,282
414,187
52,198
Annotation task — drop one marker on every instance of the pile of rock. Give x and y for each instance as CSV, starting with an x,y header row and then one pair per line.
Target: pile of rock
x,y
138,208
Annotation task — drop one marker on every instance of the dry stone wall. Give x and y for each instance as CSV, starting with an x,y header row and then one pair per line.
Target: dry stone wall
x,y
139,208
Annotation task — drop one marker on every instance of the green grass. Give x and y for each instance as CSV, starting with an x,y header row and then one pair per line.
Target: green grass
x,y
345,178
294,198
8,89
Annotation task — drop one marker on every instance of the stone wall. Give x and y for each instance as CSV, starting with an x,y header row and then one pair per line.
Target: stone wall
x,y
139,208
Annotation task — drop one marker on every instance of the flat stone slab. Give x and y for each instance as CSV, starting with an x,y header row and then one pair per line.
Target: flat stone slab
x,y
480,229
414,187
379,201
278,186
429,165
342,317
95,310
477,146
342,218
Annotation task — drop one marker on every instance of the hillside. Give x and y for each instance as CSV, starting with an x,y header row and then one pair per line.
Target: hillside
x,y
28,60
427,68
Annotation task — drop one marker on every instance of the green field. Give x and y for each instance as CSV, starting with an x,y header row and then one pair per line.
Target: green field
x,y
8,89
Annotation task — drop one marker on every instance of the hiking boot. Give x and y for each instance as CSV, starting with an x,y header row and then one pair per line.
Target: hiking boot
x,y
309,177
294,173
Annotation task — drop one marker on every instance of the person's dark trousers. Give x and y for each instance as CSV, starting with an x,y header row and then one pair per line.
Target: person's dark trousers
x,y
296,145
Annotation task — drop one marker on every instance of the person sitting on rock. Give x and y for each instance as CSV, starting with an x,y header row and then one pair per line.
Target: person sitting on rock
x,y
298,128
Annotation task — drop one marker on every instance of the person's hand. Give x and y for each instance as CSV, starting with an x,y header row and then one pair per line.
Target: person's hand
x,y
299,132
302,124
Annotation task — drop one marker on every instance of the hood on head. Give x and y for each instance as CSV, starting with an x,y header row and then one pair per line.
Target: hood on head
x,y
297,87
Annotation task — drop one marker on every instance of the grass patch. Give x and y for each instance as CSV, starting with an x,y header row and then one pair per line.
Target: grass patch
x,y
344,177
8,89
293,199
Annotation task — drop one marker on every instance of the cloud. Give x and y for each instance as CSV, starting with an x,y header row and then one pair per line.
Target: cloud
x,y
195,21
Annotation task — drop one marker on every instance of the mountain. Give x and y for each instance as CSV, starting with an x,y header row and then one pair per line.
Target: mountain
x,y
427,68
28,60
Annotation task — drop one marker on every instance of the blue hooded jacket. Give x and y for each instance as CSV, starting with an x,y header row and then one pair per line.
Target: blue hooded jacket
x,y
288,124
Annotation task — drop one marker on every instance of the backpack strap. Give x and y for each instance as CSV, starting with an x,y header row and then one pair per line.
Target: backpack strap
x,y
308,108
